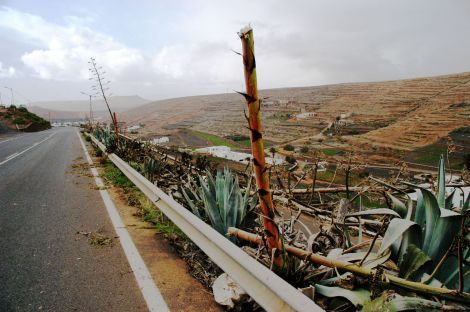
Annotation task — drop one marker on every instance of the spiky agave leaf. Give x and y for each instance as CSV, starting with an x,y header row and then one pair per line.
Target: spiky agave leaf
x,y
441,183
224,204
358,297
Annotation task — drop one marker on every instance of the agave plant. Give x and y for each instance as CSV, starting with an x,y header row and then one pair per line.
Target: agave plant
x,y
152,167
221,199
422,237
106,137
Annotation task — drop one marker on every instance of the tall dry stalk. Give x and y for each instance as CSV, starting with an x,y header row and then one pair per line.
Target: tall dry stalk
x,y
272,236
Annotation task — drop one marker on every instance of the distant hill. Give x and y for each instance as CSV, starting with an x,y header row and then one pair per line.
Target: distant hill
x,y
402,114
117,103
80,109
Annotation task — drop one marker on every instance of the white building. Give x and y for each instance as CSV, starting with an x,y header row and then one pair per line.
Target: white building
x,y
161,140
226,153
133,129
305,115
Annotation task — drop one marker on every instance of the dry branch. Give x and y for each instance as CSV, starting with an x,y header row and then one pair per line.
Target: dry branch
x,y
362,271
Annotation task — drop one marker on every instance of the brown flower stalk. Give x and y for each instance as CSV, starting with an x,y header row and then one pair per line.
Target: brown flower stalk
x,y
272,236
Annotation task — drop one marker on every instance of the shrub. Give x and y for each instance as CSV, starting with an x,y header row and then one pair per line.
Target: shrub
x,y
290,160
289,147
19,121
304,149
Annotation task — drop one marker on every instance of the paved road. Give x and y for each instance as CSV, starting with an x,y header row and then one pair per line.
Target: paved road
x,y
46,199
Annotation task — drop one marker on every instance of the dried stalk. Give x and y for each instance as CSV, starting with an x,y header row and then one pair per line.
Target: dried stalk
x,y
362,271
273,239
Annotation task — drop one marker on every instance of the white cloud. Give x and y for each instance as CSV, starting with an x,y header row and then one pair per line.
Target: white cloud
x,y
66,49
186,49
7,72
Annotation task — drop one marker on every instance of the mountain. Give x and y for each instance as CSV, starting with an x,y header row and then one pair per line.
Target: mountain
x,y
117,103
401,114
74,110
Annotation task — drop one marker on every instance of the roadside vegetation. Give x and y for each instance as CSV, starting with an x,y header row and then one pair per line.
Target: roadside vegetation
x,y
20,118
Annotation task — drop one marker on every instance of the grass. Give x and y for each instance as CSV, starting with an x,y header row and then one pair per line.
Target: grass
x,y
330,151
214,139
217,140
136,198
329,173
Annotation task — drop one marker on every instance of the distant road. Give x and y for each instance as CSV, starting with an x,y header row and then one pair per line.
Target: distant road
x,y
47,202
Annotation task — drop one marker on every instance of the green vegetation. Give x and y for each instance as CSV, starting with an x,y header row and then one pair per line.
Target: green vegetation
x,y
461,130
289,147
282,116
214,139
430,155
113,175
290,160
136,198
421,239
219,199
304,149
21,116
330,151
237,137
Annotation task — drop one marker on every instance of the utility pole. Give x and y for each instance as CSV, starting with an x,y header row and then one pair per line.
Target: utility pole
x,y
91,109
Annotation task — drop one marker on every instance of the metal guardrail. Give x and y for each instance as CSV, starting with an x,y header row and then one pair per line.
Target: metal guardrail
x,y
264,286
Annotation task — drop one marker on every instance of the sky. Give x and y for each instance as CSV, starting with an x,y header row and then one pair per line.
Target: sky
x,y
163,49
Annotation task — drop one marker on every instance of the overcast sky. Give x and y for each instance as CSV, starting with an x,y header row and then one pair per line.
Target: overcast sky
x,y
161,49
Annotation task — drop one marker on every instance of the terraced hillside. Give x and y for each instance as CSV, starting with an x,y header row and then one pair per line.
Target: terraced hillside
x,y
403,114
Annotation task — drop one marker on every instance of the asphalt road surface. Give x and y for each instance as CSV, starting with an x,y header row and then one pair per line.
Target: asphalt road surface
x,y
48,203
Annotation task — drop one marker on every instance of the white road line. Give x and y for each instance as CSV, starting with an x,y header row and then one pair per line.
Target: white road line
x,y
13,138
152,295
13,156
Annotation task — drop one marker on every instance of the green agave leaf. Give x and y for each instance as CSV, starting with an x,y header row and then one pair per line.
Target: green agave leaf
x,y
411,237
210,182
441,184
220,195
375,211
391,302
449,271
428,207
190,199
413,260
466,205
450,200
210,206
442,234
234,205
398,206
245,203
395,231
358,297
